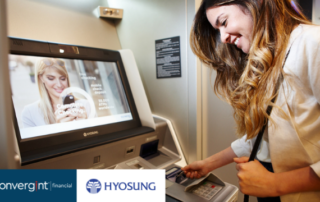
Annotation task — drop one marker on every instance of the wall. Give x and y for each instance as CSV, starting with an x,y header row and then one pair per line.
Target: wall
x,y
316,12
143,22
40,21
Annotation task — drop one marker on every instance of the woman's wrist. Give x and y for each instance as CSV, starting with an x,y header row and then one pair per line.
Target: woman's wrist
x,y
220,159
275,186
210,162
299,180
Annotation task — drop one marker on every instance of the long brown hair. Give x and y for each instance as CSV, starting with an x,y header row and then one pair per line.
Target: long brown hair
x,y
248,82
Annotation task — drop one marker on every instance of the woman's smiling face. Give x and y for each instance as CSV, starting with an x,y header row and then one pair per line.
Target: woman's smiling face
x,y
54,82
234,23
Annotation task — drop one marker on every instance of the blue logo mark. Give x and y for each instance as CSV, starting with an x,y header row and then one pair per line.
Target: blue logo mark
x,y
93,186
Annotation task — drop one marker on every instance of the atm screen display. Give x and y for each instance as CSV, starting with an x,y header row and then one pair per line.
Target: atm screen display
x,y
57,95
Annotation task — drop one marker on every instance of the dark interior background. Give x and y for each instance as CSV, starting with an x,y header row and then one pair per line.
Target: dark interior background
x,y
306,6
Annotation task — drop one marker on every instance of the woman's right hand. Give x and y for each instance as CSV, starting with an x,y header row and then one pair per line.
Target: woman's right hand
x,y
196,169
62,117
199,169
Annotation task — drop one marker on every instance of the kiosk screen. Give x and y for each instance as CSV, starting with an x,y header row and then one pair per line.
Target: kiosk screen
x,y
56,95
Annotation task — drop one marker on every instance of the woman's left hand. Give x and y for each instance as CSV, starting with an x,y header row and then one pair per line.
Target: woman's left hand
x,y
254,179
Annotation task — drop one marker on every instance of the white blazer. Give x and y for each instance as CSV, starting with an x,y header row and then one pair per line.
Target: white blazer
x,y
295,142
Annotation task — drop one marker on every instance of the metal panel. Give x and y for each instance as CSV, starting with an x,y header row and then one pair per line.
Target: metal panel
x,y
194,116
143,22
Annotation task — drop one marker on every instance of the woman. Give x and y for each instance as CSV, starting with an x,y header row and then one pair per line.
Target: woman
x,y
52,78
264,50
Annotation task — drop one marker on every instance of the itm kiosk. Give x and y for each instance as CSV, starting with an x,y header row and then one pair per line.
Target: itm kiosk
x,y
113,127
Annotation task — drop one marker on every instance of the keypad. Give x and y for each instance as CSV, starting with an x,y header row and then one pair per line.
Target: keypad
x,y
206,190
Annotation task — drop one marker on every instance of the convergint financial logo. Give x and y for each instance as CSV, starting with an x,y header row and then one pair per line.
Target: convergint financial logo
x,y
33,186
29,186
94,186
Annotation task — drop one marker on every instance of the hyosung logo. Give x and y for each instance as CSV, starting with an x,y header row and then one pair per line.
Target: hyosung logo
x,y
93,186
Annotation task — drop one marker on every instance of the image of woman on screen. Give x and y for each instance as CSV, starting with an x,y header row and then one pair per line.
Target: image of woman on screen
x,y
52,78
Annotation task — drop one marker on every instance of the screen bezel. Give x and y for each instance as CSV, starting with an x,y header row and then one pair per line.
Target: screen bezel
x,y
36,149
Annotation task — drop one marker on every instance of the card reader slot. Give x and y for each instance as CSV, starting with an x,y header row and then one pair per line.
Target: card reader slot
x,y
188,182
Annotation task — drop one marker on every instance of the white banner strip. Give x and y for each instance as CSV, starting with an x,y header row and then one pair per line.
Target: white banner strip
x,y
121,185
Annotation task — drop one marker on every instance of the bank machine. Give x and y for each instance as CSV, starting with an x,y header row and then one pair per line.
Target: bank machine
x,y
85,108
